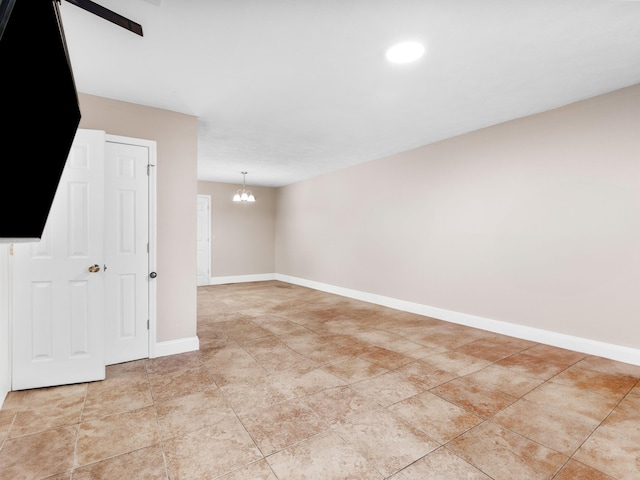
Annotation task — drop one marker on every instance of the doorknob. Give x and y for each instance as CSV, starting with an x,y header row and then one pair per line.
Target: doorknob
x,y
94,268
153,274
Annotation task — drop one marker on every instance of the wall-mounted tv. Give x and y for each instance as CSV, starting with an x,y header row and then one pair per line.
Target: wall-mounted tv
x,y
40,114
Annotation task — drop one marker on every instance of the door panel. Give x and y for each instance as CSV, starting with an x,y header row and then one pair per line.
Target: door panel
x,y
58,304
126,249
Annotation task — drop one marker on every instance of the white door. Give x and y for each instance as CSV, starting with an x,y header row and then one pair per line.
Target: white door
x,y
57,302
204,240
126,252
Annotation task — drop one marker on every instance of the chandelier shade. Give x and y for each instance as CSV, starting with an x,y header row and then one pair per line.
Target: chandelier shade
x,y
244,195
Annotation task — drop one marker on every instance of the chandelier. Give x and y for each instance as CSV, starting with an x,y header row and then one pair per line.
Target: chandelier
x,y
244,195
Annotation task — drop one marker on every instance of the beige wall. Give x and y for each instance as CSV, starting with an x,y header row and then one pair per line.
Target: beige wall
x,y
243,234
176,140
534,222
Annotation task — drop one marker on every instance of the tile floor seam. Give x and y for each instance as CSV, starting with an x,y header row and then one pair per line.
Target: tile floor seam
x,y
164,459
364,458
596,429
6,435
488,420
469,462
160,439
239,469
255,442
560,469
465,408
75,442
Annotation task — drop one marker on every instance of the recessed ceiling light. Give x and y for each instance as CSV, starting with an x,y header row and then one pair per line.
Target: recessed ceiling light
x,y
405,52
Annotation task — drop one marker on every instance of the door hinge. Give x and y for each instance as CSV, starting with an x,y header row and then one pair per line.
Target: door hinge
x,y
11,250
147,247
147,324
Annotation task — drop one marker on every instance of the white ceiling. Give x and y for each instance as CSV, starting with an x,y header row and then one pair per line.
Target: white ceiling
x,y
291,89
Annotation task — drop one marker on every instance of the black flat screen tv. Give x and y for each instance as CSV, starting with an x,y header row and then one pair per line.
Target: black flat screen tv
x,y
39,112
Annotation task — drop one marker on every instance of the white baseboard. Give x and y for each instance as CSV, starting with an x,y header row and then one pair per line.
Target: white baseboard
x,y
260,277
547,337
172,347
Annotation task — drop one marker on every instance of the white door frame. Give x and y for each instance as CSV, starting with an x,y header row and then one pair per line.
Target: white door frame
x,y
151,145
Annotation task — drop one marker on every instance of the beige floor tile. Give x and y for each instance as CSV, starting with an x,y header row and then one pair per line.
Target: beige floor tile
x,y
233,366
410,349
173,363
210,452
39,455
438,418
146,463
189,413
613,447
505,380
340,405
6,421
260,393
355,369
106,437
13,400
505,455
183,382
61,476
456,363
37,419
555,354
578,471
281,425
285,359
387,389
387,441
280,326
395,342
475,398
613,385
256,471
559,429
489,349
127,370
450,336
385,358
302,367
117,395
325,457
424,375
244,330
43,397
572,399
440,465
263,345
536,366
46,408
634,395
599,364
222,354
309,381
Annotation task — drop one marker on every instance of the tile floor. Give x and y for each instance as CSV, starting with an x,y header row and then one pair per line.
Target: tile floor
x,y
292,383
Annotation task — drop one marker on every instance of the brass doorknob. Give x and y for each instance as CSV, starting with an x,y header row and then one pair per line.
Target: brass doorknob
x,y
94,268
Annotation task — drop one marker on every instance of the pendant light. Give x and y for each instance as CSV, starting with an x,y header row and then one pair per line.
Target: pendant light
x,y
244,195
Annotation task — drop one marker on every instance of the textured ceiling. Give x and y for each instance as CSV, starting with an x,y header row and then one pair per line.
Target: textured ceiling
x,y
291,89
